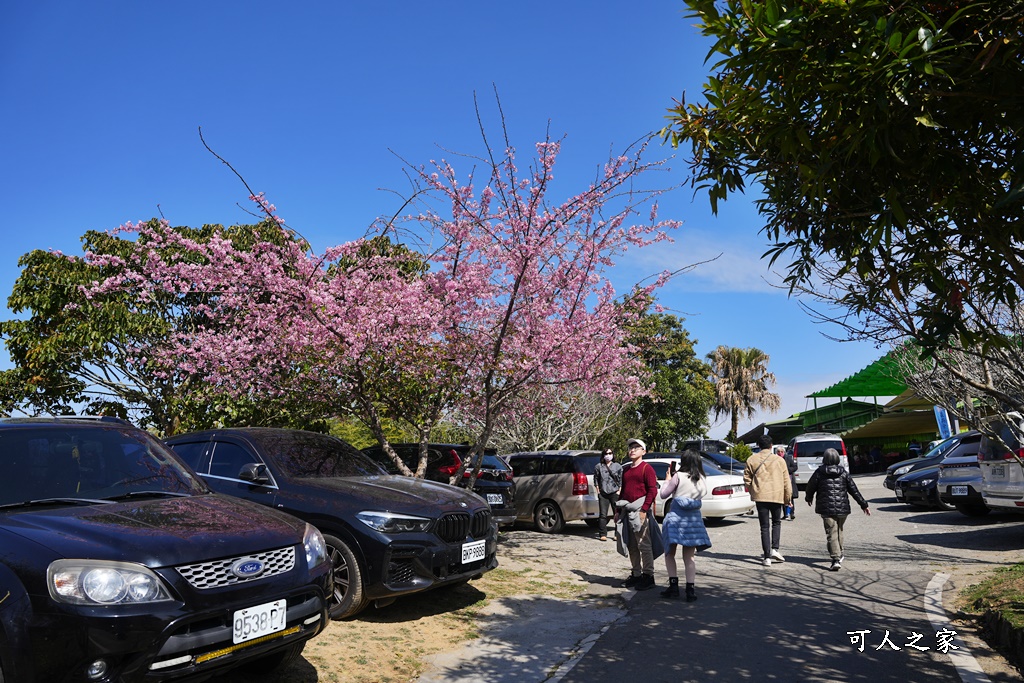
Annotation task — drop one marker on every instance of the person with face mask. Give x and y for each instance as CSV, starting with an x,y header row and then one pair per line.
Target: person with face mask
x,y
608,480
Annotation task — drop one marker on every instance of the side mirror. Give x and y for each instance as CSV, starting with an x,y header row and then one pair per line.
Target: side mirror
x,y
254,473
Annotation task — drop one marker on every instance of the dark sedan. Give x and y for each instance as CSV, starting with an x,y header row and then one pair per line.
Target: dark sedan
x,y
955,446
494,483
387,535
919,488
118,564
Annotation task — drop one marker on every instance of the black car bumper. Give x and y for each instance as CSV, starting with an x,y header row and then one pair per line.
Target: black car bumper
x,y
420,562
915,495
171,640
961,495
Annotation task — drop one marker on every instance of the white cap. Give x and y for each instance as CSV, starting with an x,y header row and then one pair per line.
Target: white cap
x,y
638,442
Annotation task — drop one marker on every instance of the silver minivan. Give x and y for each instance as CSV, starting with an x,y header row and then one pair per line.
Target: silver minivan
x,y
1002,474
808,449
555,487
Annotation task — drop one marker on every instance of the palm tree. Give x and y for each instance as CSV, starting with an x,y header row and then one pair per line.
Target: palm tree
x,y
742,384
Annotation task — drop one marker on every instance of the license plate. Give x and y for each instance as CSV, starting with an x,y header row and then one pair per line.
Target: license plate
x,y
899,494
474,552
494,499
998,471
258,621
958,490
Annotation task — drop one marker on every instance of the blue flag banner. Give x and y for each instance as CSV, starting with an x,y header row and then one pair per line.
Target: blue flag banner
x,y
942,419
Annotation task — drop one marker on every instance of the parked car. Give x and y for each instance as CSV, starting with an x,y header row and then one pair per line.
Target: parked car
x,y
726,463
555,487
1002,476
918,488
705,445
726,493
808,449
959,484
117,563
386,535
959,444
494,483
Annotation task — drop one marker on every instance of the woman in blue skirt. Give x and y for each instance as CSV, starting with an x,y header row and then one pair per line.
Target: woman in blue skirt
x,y
683,524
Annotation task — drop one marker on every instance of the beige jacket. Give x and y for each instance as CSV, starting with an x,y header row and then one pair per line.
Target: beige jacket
x,y
767,477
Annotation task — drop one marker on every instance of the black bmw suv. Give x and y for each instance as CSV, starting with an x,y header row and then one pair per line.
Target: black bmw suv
x,y
387,536
117,563
494,483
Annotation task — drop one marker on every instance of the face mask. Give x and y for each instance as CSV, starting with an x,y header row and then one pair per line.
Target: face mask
x,y
607,458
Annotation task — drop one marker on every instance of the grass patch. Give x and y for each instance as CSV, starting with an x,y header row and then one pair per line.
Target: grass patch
x,y
1002,591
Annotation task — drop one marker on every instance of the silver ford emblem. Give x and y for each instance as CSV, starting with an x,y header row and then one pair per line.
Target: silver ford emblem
x,y
248,568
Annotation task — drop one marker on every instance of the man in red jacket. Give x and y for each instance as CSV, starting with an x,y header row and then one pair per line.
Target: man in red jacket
x,y
639,489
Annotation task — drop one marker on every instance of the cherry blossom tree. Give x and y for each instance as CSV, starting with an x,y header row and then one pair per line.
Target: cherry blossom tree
x,y
515,296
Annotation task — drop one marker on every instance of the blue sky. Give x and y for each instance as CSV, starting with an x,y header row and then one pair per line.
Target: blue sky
x,y
316,104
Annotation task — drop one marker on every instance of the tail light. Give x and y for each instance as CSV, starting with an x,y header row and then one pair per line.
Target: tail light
x,y
580,487
1013,456
794,452
454,467
722,491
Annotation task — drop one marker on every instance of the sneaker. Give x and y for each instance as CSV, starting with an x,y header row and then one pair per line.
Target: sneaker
x,y
646,582
835,566
767,561
630,582
840,560
777,556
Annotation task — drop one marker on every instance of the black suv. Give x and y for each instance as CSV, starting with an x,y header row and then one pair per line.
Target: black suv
x,y
117,563
494,483
387,536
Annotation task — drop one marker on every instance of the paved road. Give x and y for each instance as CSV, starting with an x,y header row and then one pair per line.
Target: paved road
x,y
794,621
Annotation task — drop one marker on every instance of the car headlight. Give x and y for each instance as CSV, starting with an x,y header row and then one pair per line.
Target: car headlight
x,y
391,523
925,483
315,546
101,582
900,471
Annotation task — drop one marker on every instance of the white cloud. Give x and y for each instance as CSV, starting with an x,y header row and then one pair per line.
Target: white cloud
x,y
726,265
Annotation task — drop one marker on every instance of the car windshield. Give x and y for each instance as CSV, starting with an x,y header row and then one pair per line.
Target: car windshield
x,y
87,462
493,462
306,455
942,447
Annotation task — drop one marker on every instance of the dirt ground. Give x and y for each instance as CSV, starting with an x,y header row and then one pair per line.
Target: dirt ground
x,y
391,644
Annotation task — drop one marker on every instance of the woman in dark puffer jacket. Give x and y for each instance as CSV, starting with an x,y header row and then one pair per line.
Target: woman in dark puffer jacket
x,y
834,485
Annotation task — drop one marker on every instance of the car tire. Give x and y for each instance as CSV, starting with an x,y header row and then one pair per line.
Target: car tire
x,y
943,505
271,663
973,510
547,517
347,599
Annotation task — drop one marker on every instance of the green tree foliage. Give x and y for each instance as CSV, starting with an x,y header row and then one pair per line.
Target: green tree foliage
x,y
742,384
682,395
76,352
886,140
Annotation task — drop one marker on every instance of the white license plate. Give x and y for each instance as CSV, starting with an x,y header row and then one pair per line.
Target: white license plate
x,y
958,490
899,494
494,499
998,471
261,620
474,552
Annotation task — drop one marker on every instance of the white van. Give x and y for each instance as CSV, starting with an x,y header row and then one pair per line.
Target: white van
x,y
808,449
1002,474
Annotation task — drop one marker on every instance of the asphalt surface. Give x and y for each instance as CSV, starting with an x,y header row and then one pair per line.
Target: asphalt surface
x,y
794,621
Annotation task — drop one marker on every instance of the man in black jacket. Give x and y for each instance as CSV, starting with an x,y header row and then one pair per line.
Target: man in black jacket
x,y
834,485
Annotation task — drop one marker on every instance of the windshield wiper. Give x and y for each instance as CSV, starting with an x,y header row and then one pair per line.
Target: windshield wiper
x,y
55,501
151,494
